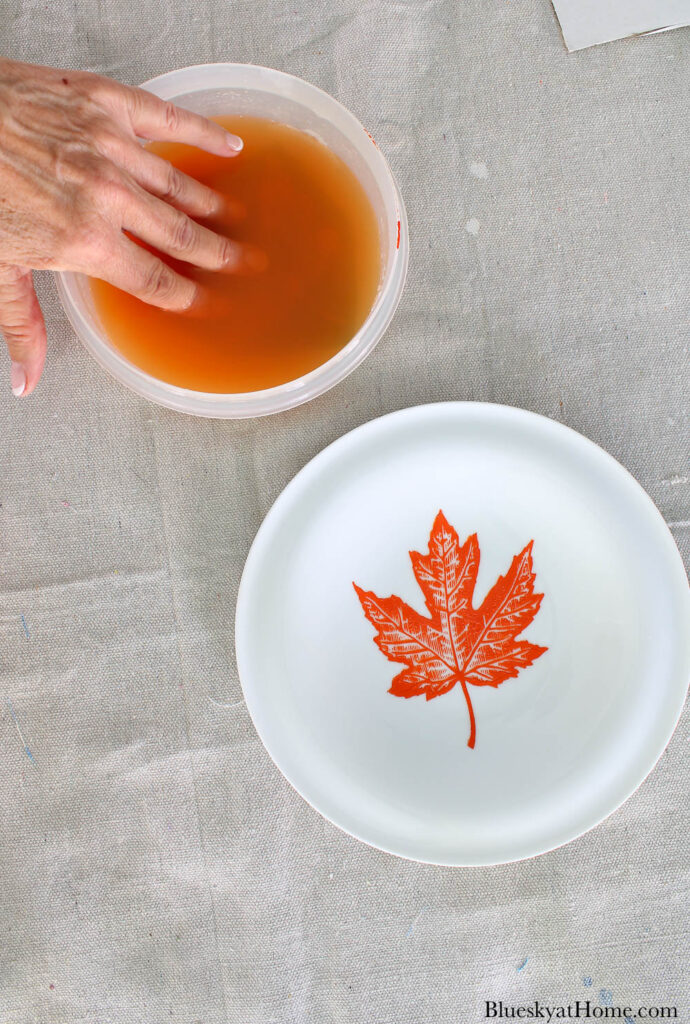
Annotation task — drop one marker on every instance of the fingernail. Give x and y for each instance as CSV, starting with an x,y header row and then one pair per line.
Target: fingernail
x,y
233,142
198,302
18,380
192,302
241,257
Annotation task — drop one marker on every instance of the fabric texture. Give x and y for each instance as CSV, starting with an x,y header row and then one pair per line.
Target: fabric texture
x,y
155,865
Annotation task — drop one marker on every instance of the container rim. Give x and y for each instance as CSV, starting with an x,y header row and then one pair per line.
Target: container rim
x,y
170,85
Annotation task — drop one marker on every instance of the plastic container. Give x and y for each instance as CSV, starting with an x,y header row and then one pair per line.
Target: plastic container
x,y
216,89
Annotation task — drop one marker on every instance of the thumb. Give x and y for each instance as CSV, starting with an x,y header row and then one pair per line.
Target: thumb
x,y
22,323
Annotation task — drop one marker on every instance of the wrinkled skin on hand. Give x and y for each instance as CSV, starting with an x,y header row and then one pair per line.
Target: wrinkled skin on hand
x,y
74,177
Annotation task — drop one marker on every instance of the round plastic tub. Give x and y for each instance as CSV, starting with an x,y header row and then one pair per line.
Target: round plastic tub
x,y
216,89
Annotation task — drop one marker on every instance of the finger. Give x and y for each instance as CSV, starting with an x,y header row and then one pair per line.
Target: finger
x,y
139,272
160,177
153,118
22,323
177,188
173,232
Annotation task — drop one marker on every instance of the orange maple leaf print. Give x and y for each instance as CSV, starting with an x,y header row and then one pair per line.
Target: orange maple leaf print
x,y
457,643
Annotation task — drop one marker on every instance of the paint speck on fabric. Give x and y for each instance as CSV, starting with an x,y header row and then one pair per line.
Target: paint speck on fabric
x,y
472,227
587,982
522,966
414,922
606,997
478,169
20,733
26,628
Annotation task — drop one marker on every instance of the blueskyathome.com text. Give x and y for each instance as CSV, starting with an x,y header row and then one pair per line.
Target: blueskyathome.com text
x,y
581,1009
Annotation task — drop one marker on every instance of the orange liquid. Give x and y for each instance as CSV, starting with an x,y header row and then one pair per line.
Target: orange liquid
x,y
308,212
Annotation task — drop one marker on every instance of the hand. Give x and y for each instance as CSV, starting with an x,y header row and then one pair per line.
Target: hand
x,y
74,178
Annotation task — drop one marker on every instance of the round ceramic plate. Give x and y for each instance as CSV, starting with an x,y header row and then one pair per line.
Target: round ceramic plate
x,y
513,657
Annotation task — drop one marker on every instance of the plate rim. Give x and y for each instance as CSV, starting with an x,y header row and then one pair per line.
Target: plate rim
x,y
328,453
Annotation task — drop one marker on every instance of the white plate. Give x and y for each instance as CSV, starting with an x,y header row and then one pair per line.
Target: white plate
x,y
559,746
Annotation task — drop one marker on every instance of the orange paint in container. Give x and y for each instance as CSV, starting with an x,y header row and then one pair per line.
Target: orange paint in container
x,y
293,198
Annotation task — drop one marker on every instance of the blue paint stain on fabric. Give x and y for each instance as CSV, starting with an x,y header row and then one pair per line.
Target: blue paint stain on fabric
x,y
606,997
628,1020
21,734
26,628
414,922
587,982
522,965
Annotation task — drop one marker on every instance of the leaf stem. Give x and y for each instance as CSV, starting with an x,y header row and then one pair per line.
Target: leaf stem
x,y
473,730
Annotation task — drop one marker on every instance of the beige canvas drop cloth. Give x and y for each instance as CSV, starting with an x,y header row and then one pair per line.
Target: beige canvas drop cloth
x,y
154,865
